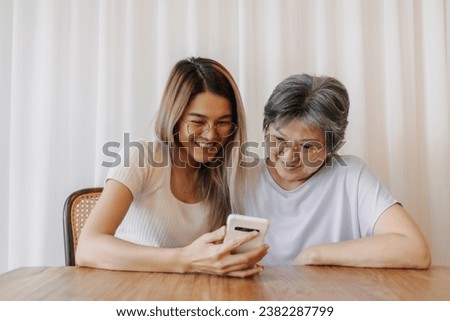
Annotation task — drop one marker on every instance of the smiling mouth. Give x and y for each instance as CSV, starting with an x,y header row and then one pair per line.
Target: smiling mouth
x,y
205,145
291,167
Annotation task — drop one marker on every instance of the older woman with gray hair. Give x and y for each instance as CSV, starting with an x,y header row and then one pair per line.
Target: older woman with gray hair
x,y
324,208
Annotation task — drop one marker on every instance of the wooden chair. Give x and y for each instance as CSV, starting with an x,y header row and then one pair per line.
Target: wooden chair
x,y
77,208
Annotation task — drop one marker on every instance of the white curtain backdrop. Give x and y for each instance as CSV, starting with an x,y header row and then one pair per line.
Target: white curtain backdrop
x,y
75,74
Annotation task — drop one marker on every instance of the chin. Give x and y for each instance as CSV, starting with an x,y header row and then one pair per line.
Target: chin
x,y
291,178
204,158
293,175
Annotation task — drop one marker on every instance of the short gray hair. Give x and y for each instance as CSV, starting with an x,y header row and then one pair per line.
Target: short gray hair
x,y
318,102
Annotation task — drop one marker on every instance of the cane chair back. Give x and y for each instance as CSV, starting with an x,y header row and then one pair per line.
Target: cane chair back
x,y
77,208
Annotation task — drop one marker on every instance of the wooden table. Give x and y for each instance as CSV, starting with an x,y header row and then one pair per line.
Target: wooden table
x,y
281,283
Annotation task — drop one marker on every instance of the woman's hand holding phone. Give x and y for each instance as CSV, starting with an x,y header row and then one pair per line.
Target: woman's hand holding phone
x,y
210,253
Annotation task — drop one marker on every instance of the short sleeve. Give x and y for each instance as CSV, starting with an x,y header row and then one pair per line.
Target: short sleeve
x,y
373,200
134,169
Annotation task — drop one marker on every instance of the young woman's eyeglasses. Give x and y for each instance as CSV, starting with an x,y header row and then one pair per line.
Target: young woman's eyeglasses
x,y
223,128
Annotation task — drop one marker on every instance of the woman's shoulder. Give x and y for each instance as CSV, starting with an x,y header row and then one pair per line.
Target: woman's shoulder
x,y
348,162
155,153
350,166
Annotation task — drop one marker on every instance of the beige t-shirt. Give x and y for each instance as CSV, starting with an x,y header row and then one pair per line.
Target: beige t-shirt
x,y
156,217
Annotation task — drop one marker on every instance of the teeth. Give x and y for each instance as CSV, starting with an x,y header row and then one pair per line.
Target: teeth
x,y
205,145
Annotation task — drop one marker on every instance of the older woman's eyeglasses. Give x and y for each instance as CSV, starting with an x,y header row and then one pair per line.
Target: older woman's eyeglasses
x,y
199,127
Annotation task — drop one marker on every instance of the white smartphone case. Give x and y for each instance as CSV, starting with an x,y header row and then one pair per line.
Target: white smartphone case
x,y
241,224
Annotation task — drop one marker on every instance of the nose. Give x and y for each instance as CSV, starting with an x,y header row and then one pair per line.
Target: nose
x,y
290,154
210,132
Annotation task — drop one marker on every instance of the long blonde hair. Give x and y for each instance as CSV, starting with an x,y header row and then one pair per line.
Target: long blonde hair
x,y
221,186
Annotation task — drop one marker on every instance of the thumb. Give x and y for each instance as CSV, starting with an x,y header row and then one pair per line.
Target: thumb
x,y
214,236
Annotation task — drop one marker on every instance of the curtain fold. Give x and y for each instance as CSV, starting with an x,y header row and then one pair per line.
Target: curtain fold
x,y
6,21
75,75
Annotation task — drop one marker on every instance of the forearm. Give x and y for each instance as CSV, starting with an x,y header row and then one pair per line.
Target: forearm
x,y
387,250
109,252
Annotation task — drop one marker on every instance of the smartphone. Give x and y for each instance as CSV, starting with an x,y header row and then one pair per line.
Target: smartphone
x,y
241,224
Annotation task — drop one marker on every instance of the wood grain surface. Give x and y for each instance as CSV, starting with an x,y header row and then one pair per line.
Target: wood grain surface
x,y
281,283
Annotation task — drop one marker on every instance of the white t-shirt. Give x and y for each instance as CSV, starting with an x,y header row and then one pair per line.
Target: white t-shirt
x,y
337,203
156,217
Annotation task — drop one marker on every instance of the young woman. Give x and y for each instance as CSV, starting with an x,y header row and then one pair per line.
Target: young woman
x,y
158,208
325,209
